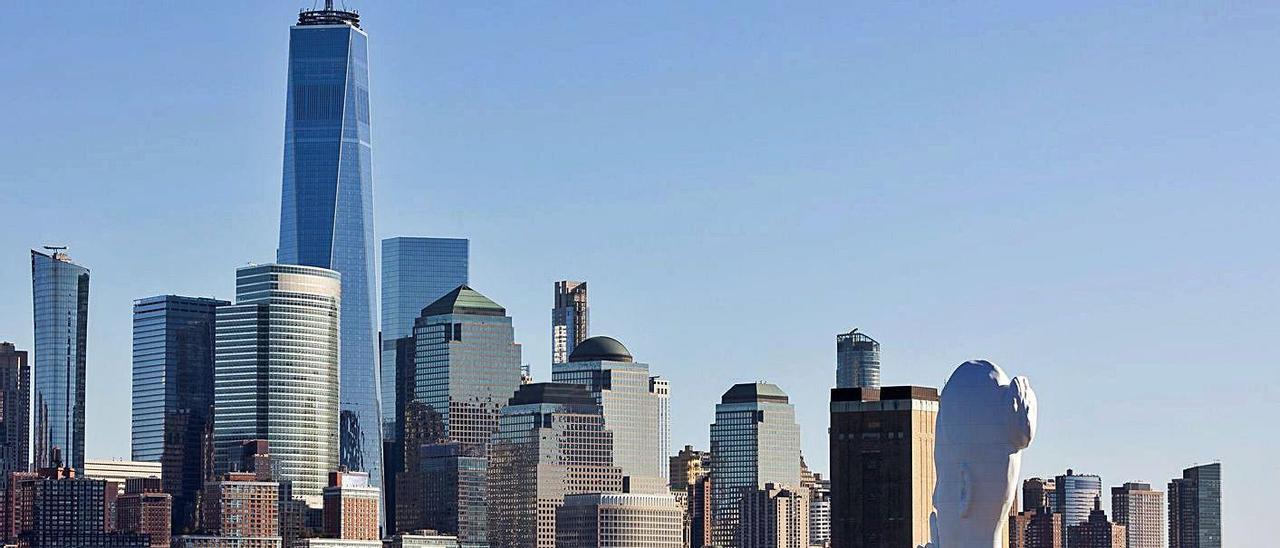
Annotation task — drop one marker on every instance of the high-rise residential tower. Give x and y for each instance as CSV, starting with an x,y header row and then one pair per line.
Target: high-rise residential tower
x,y
882,470
1096,532
774,517
173,394
631,409
857,361
276,372
326,211
467,368
570,319
15,423
551,442
1140,510
754,441
1038,493
60,299
1195,508
1077,496
415,272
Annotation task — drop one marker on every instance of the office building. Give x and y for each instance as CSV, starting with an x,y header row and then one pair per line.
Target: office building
x,y
820,512
754,441
240,505
326,208
60,304
698,511
857,361
1195,508
1141,511
209,541
619,520
350,507
173,393
146,509
551,443
1076,496
774,517
1096,532
882,472
276,372
621,386
1038,493
118,472
661,388
570,319
15,411
415,272
467,367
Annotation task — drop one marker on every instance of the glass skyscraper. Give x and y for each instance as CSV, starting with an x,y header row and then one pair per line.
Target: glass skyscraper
x,y
1195,508
415,272
276,373
60,299
754,441
326,212
1076,496
173,393
631,409
467,367
857,361
570,319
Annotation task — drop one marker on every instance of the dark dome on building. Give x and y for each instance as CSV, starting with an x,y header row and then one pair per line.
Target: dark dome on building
x,y
600,349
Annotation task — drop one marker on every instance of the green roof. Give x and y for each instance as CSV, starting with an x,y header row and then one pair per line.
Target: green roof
x,y
464,300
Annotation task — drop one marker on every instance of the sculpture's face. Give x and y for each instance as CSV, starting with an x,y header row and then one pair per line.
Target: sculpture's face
x,y
984,422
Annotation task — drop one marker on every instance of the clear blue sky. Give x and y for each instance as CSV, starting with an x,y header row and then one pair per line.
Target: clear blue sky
x,y
1084,194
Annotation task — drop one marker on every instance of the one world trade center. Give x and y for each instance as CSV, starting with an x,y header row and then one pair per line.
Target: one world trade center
x,y
326,211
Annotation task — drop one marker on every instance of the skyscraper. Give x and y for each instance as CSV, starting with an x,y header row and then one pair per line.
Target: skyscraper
x,y
570,319
467,368
415,272
326,211
1141,511
173,394
1195,508
621,386
1038,493
754,441
1077,495
15,411
60,299
820,512
1040,527
882,470
857,361
774,517
551,442
1096,532
276,372
661,388
145,509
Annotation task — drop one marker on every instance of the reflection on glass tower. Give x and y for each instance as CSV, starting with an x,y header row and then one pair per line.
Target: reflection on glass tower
x,y
857,361
60,299
326,212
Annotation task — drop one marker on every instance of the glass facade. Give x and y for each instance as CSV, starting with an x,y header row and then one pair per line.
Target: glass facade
x,y
173,393
1076,494
326,213
276,373
570,319
857,361
1195,508
15,410
467,366
60,299
415,272
754,441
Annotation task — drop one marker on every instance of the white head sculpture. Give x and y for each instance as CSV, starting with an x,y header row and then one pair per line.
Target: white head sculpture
x,y
984,422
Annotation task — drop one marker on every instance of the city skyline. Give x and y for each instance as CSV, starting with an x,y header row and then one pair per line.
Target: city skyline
x,y
920,346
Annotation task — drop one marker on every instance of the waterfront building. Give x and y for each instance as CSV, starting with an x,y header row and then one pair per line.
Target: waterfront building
x,y
60,306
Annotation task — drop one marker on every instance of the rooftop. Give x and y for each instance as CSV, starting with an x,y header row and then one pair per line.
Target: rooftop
x,y
464,300
754,392
600,349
